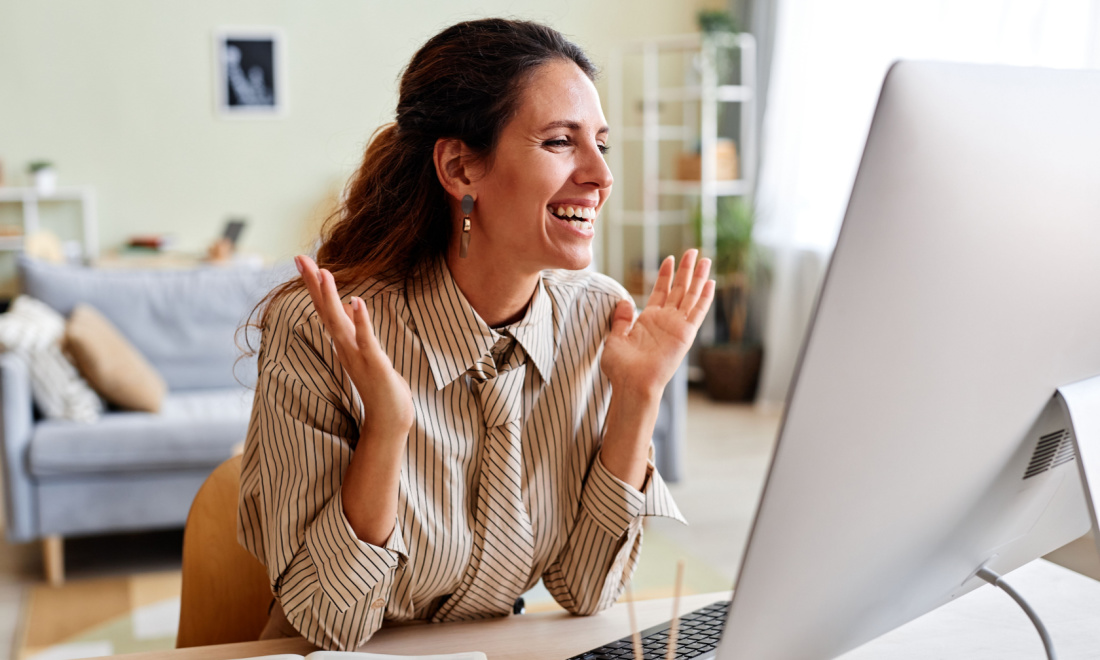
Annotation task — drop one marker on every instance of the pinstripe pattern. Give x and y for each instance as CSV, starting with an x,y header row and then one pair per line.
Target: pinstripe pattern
x,y
501,483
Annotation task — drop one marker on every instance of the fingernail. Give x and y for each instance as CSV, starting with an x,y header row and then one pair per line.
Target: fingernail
x,y
356,304
298,265
320,277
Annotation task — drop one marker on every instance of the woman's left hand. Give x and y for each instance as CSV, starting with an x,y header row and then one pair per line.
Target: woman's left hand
x,y
641,355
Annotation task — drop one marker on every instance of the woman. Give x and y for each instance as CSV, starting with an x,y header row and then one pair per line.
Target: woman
x,y
447,410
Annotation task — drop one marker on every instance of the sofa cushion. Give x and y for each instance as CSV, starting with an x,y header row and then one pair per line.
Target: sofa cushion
x,y
32,330
193,429
110,363
183,321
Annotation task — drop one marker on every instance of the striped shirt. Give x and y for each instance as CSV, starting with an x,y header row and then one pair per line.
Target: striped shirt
x,y
586,523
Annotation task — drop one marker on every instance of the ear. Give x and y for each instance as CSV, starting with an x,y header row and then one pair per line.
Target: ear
x,y
455,167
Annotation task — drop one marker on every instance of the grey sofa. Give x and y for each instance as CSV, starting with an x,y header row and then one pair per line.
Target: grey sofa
x,y
131,471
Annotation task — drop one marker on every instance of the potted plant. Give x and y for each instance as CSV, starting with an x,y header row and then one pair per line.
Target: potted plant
x,y
713,21
44,176
731,365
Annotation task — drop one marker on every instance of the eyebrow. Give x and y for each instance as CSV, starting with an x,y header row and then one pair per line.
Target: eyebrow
x,y
572,125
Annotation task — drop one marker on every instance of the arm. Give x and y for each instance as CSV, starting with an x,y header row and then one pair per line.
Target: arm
x,y
320,514
639,357
292,512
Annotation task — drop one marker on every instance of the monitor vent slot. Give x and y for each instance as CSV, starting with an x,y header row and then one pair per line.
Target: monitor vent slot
x,y
1052,450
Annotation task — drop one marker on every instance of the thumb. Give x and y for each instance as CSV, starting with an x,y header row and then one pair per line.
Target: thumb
x,y
622,318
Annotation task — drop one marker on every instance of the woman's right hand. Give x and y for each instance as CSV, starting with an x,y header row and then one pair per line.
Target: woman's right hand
x,y
387,400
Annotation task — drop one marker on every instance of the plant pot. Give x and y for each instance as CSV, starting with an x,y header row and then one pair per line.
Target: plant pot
x,y
45,181
732,371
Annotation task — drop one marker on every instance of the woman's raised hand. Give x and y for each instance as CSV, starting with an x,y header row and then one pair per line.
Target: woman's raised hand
x,y
387,400
641,355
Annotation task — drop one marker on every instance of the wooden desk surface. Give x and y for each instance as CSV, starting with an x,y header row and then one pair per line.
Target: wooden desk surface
x,y
983,625
556,635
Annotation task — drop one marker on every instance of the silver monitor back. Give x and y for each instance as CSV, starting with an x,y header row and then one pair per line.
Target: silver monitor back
x,y
963,291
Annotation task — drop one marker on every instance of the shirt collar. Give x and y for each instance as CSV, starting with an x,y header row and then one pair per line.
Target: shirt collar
x,y
455,337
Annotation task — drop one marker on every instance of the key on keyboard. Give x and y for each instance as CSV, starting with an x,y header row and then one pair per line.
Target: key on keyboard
x,y
699,632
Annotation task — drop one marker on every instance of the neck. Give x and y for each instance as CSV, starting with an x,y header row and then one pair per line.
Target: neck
x,y
498,293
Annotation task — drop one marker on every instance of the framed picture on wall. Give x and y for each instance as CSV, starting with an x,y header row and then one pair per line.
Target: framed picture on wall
x,y
250,72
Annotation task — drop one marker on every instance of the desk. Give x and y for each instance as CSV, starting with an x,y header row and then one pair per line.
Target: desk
x,y
557,635
983,625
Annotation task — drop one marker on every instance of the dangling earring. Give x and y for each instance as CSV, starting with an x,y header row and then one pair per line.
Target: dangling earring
x,y
467,206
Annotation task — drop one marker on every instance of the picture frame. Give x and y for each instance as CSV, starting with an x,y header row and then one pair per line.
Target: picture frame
x,y
250,72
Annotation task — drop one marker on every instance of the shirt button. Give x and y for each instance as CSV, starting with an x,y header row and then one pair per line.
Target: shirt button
x,y
379,603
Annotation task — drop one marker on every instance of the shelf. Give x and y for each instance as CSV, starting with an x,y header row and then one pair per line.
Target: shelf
x,y
726,93
638,218
721,188
11,243
12,194
689,42
30,199
670,133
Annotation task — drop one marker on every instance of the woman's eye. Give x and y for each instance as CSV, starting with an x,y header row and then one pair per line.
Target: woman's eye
x,y
559,142
603,148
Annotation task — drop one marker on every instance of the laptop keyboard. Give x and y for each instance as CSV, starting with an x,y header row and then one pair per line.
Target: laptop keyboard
x,y
698,633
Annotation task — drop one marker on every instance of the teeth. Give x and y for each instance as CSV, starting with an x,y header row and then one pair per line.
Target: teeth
x,y
579,224
583,214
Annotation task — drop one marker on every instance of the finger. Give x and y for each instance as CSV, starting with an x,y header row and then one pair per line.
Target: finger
x,y
364,333
660,287
699,311
683,277
308,270
702,269
331,310
311,277
622,318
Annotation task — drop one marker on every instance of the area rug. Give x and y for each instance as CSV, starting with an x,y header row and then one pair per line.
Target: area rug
x,y
108,616
98,617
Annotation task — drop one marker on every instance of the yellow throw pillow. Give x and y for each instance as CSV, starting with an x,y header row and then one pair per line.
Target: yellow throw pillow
x,y
110,363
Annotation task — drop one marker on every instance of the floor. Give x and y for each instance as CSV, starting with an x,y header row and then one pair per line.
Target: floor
x,y
729,446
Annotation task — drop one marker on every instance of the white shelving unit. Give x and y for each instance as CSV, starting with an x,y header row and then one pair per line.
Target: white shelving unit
x,y
30,198
700,91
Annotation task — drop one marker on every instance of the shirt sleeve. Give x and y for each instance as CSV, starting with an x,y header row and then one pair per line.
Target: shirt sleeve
x,y
332,586
603,547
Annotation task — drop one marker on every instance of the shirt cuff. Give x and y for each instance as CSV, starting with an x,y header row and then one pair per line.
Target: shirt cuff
x,y
614,504
347,568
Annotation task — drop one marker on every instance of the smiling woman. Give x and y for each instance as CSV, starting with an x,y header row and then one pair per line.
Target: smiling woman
x,y
436,428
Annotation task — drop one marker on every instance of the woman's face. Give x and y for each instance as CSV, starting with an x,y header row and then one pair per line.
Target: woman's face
x,y
539,201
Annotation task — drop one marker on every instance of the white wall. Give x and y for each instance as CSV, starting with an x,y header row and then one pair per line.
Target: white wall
x,y
119,95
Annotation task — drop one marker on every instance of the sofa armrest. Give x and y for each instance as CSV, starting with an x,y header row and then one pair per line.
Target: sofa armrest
x,y
16,429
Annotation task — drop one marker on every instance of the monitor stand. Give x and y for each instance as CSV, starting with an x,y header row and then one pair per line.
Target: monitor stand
x,y
1079,404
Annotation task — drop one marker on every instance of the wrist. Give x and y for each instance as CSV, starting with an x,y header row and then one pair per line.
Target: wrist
x,y
383,441
643,394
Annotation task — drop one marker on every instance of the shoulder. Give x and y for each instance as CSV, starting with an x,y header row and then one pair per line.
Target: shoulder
x,y
582,286
291,314
584,303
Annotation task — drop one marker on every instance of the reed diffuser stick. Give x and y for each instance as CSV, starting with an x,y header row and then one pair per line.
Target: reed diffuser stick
x,y
635,634
671,654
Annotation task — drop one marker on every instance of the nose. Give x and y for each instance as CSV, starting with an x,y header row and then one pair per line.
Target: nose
x,y
593,170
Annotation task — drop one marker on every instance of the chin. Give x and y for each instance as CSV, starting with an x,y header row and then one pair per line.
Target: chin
x,y
578,260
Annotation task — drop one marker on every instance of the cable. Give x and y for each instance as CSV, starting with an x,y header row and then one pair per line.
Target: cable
x,y
996,580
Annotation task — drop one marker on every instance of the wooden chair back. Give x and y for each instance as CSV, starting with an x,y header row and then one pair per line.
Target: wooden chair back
x,y
225,594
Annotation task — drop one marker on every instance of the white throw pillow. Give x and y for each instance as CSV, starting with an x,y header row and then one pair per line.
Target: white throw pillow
x,y
33,331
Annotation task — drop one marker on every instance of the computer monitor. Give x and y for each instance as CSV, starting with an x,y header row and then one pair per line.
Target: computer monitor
x,y
963,292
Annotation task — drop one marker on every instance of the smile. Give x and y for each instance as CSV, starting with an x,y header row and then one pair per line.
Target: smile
x,y
578,217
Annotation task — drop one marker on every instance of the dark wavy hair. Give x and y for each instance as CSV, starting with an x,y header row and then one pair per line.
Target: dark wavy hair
x,y
466,82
